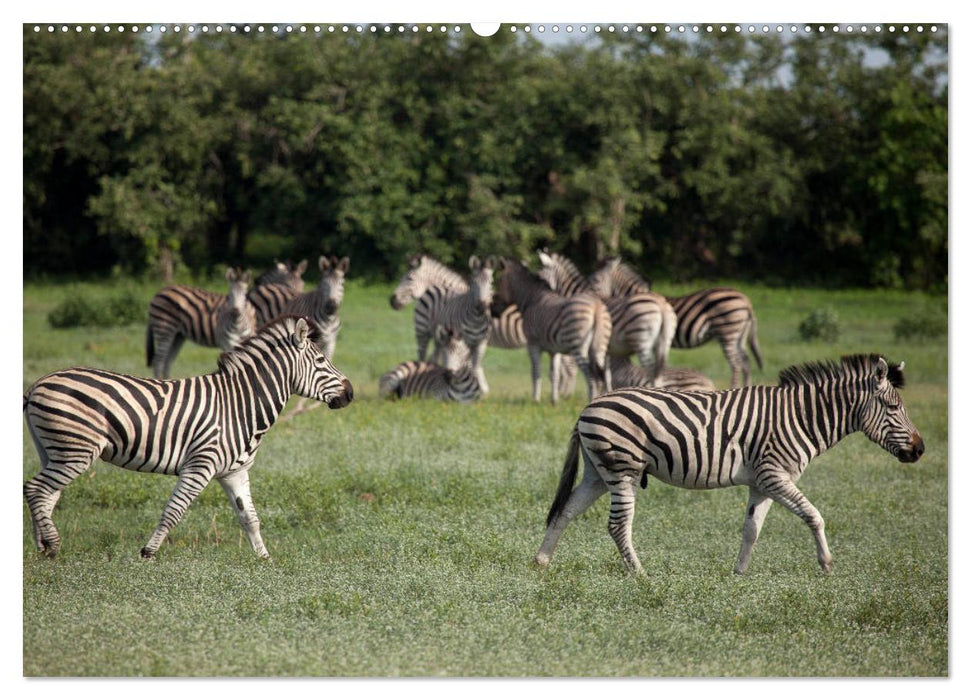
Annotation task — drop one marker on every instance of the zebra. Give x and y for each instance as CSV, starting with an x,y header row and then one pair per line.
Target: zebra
x,y
177,313
453,381
722,313
269,300
578,325
321,304
284,273
468,315
762,437
197,428
643,322
429,283
624,373
236,319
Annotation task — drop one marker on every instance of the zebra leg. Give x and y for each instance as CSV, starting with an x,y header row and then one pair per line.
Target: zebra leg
x,y
165,358
42,493
738,361
422,339
590,488
781,490
620,524
187,488
568,375
236,486
477,355
758,506
534,357
556,369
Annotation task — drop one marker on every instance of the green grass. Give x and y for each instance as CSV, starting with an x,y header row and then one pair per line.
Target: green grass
x,y
402,533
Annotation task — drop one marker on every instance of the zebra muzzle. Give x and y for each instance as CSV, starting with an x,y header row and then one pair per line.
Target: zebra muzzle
x,y
343,398
914,451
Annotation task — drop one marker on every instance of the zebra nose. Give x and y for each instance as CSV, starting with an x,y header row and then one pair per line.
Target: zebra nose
x,y
917,443
330,307
395,304
348,391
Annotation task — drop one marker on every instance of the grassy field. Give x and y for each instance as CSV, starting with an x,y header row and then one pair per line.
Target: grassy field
x,y
402,533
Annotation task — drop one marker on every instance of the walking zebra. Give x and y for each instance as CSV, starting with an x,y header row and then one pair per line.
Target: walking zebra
x,y
643,323
623,373
179,313
578,326
468,315
322,304
284,273
197,429
762,437
236,319
453,381
722,313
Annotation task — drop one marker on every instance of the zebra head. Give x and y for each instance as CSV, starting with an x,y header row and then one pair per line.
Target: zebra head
x,y
516,285
239,282
883,417
481,282
315,377
331,288
455,353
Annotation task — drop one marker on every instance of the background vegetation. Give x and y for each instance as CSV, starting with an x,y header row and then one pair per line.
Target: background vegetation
x,y
812,158
401,533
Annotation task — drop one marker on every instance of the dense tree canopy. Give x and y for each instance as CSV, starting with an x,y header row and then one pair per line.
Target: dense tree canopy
x,y
816,158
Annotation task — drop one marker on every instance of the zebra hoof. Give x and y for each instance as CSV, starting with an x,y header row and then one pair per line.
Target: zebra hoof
x,y
147,553
541,561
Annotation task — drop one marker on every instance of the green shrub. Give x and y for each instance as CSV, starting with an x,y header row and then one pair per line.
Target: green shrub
x,y
930,323
821,324
76,311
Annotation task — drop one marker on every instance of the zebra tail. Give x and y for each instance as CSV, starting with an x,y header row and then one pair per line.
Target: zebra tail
x,y
149,345
665,337
597,355
567,477
753,344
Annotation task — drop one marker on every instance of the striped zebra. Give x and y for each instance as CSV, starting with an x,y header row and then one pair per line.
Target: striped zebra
x,y
322,304
643,323
762,437
624,373
468,315
429,283
284,273
269,300
453,381
197,429
722,313
236,319
578,326
179,313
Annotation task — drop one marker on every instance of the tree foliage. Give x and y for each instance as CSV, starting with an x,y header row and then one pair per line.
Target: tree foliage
x,y
811,159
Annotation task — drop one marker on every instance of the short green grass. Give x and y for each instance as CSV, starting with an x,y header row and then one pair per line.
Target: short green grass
x,y
402,533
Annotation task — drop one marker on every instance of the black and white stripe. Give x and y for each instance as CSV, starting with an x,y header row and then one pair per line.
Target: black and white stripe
x,y
762,437
722,313
624,373
468,316
284,273
643,323
453,380
197,429
429,284
578,326
236,319
322,304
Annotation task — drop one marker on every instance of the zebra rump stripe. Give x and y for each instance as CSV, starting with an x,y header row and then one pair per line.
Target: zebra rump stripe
x,y
762,437
197,429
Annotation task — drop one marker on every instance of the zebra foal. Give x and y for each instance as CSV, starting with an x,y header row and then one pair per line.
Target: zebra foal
x,y
197,429
762,437
453,381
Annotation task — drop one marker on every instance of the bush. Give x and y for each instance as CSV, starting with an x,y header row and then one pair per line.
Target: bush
x,y
77,311
931,323
821,324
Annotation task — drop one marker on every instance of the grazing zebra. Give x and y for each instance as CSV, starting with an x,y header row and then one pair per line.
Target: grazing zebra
x,y
762,437
321,305
236,319
284,273
579,326
722,313
453,381
430,284
624,373
196,429
468,315
643,323
178,313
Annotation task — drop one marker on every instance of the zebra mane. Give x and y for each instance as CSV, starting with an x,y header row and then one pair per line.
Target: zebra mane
x,y
857,366
229,359
622,273
441,273
565,270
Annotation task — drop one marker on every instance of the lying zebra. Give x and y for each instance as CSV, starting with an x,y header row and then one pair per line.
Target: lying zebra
x,y
762,437
623,373
196,429
456,381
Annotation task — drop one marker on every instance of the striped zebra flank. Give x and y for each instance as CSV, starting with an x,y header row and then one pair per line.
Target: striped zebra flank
x,y
454,380
468,315
721,313
178,313
284,273
236,319
761,437
579,326
322,304
623,373
643,323
196,429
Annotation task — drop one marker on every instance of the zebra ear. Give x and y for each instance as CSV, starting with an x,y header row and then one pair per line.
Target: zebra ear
x,y
544,257
301,267
301,330
343,264
881,371
414,261
230,274
323,263
474,263
280,266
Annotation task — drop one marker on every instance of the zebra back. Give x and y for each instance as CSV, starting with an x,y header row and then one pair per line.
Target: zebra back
x,y
269,300
613,278
561,274
284,273
182,311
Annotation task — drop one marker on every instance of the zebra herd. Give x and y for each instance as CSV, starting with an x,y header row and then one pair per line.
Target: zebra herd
x,y
642,420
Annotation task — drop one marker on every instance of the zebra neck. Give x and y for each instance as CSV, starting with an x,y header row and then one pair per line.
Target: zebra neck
x,y
266,393
827,413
